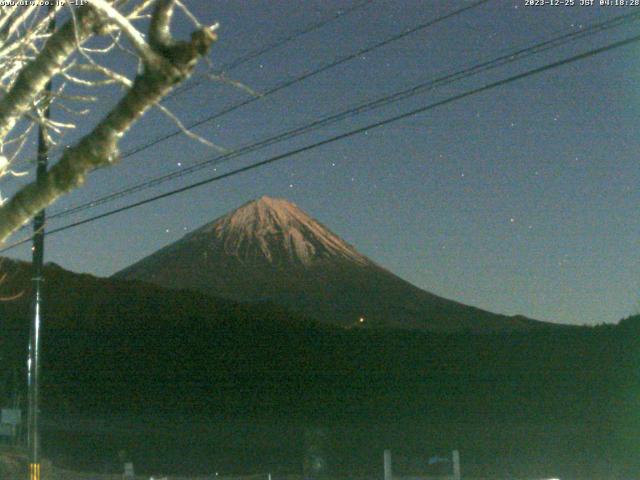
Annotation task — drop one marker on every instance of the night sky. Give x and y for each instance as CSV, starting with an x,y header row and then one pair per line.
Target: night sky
x,y
519,200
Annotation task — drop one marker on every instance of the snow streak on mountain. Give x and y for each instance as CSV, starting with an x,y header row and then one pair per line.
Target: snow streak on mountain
x,y
277,231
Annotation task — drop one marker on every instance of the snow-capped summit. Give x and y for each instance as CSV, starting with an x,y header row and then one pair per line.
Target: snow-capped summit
x,y
270,250
277,231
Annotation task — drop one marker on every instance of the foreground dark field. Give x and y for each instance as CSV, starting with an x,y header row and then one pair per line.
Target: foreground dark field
x,y
239,402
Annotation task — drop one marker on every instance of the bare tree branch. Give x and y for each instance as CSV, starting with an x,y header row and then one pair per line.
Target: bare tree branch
x,y
172,62
109,13
33,77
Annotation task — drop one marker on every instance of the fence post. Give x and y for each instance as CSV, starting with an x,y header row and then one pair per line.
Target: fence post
x,y
456,464
314,465
388,470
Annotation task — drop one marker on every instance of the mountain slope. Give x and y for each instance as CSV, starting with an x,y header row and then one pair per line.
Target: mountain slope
x,y
270,250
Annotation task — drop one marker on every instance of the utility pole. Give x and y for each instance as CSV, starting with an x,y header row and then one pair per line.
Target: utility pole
x,y
33,364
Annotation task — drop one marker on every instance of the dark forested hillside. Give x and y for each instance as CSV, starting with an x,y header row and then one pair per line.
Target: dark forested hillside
x,y
567,396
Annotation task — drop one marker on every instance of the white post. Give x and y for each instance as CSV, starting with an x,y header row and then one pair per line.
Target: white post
x,y
388,471
456,464
128,470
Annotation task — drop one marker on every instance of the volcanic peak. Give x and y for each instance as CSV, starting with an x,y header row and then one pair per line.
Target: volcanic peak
x,y
277,231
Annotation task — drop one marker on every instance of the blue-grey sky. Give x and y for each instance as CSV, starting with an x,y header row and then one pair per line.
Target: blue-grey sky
x,y
518,200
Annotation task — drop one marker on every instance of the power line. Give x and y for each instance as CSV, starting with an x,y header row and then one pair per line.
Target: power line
x,y
348,134
272,46
502,60
278,43
301,78
258,52
296,80
307,75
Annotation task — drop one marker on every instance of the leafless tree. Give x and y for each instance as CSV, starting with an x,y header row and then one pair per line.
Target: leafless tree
x,y
31,56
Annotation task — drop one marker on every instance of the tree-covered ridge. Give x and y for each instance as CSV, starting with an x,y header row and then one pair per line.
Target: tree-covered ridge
x,y
113,347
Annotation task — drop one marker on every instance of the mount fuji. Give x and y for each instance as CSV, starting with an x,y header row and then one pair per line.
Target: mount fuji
x,y
269,250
